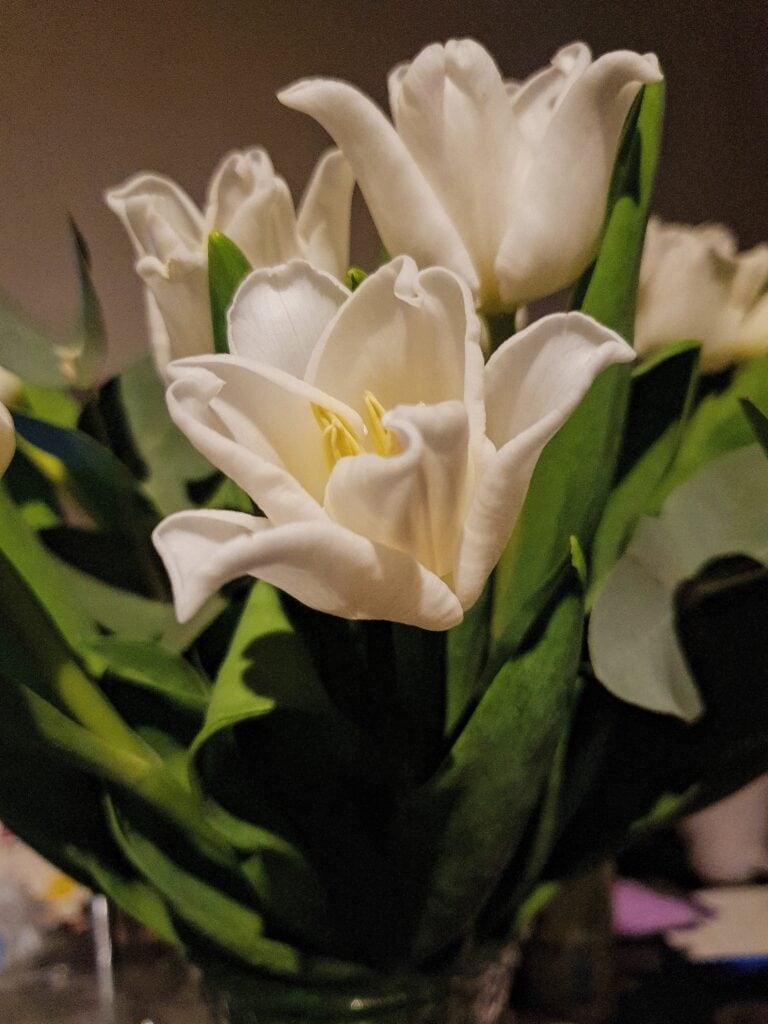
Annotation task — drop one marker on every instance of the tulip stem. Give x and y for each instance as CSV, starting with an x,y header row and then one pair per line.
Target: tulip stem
x,y
501,326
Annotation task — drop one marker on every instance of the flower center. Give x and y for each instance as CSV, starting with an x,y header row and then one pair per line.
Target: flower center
x,y
340,440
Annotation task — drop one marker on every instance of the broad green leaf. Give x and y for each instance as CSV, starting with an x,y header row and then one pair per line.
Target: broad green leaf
x,y
572,478
41,573
28,350
660,401
467,647
148,665
227,266
458,832
170,459
721,510
718,425
99,481
607,800
758,421
53,405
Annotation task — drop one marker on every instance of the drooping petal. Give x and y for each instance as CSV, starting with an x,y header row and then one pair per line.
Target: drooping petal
x,y
546,369
324,214
160,218
320,563
451,110
534,381
257,425
279,313
180,291
408,215
404,335
413,501
557,210
7,438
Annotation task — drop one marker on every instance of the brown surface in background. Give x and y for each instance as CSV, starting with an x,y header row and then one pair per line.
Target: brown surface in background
x,y
92,92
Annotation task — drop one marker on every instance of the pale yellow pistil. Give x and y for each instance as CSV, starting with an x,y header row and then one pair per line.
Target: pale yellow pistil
x,y
384,440
340,440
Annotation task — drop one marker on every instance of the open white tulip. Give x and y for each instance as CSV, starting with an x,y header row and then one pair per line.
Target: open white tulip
x,y
7,438
694,284
390,464
249,204
505,183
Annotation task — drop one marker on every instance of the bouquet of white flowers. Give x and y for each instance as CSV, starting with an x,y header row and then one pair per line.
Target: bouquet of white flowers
x,y
344,628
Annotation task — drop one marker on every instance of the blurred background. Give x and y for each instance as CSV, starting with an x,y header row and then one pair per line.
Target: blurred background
x,y
95,91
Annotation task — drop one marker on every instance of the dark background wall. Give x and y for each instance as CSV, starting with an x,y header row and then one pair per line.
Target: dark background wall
x,y
92,92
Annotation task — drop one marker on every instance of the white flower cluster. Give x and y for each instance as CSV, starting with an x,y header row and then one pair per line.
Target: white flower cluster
x,y
390,461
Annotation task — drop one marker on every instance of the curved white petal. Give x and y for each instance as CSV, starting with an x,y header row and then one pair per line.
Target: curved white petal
x,y
414,501
451,110
534,381
557,210
319,563
404,207
278,314
535,100
545,369
406,336
7,438
179,289
241,175
160,218
257,425
324,214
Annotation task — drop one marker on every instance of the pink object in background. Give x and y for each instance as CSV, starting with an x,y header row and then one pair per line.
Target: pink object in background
x,y
638,910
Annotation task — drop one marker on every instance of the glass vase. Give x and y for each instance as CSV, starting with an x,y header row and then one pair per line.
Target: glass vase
x,y
477,992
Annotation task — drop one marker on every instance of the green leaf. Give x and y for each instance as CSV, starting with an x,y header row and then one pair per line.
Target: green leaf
x,y
92,345
660,402
457,834
721,510
227,266
354,278
155,668
170,460
467,648
718,425
758,421
572,478
28,350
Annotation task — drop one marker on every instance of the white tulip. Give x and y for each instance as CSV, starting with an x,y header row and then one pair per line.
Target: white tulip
x,y
505,183
7,438
694,284
389,463
252,206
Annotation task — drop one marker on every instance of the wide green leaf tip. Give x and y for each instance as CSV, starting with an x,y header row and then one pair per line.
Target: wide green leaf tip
x,y
227,266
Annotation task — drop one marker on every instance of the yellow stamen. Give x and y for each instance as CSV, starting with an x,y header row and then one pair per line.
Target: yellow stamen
x,y
384,440
339,439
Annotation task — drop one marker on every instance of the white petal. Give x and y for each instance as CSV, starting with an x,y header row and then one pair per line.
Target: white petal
x,y
279,313
407,336
7,438
252,205
180,291
160,218
406,211
535,100
256,424
556,213
546,369
414,501
534,381
324,213
451,110
319,563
